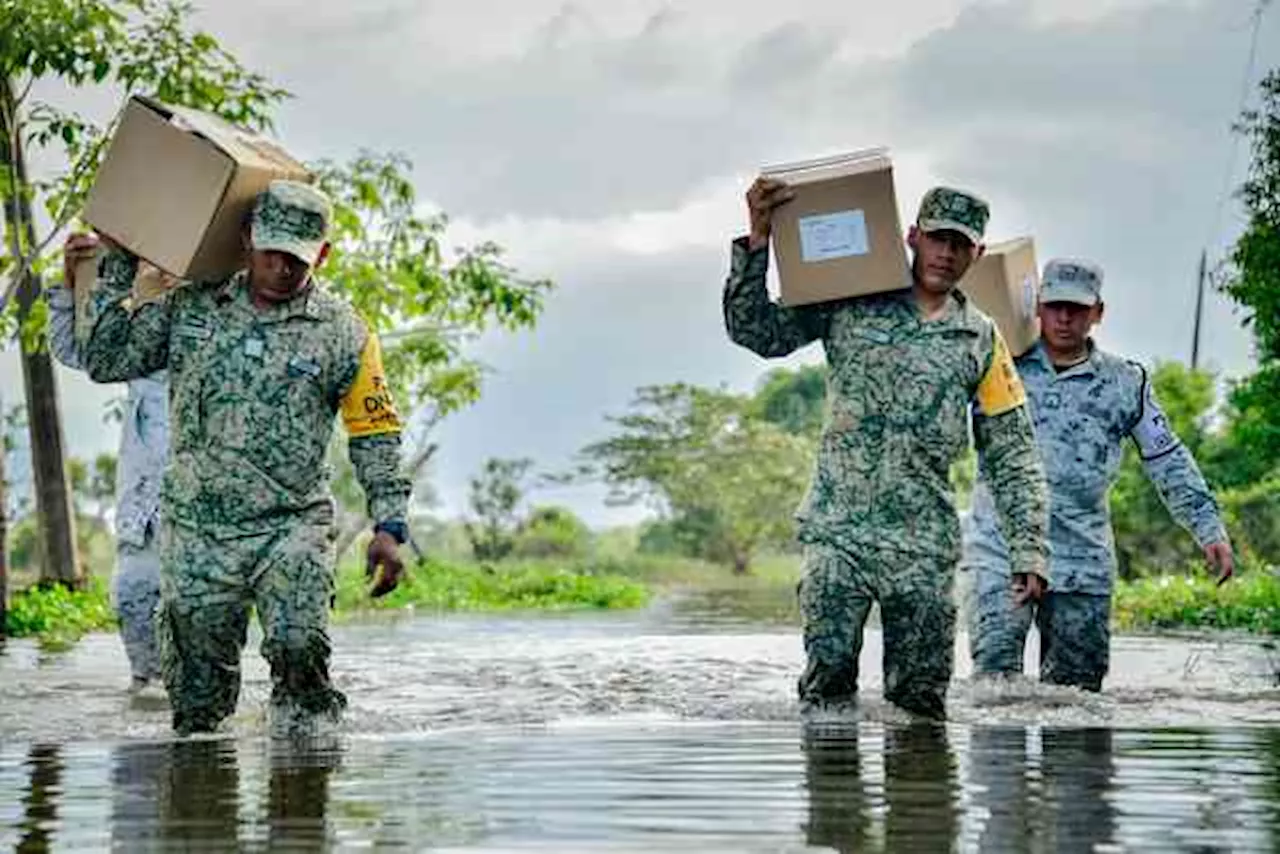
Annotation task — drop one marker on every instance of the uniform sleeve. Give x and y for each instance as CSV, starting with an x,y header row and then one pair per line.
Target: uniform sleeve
x,y
1010,462
124,344
1173,471
756,322
374,436
62,326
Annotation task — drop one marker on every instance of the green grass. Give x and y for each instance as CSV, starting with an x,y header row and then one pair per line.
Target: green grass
x,y
441,586
59,617
1249,602
667,573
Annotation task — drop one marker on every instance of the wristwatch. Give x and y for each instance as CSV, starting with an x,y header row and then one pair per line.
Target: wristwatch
x,y
399,531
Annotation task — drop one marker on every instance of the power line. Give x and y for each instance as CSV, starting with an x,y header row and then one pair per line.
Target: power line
x,y
1246,86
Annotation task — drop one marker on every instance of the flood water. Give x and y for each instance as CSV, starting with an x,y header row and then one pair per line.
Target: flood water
x,y
671,729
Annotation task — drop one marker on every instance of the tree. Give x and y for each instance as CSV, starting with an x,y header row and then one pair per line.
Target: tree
x,y
690,450
551,532
4,526
495,497
795,400
93,485
1253,280
131,45
388,260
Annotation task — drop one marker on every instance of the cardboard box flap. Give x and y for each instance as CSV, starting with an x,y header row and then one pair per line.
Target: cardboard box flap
x,y
193,170
243,146
836,165
1006,247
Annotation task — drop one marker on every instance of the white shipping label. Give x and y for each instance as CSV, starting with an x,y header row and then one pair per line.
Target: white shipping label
x,y
834,235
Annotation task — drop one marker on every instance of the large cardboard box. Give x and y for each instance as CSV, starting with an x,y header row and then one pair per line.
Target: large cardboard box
x,y
841,235
1005,283
176,184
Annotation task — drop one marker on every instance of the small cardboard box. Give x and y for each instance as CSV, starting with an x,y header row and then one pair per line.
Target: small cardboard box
x,y
1005,284
841,235
176,184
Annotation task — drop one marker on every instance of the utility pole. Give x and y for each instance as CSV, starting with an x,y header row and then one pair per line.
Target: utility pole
x,y
1195,335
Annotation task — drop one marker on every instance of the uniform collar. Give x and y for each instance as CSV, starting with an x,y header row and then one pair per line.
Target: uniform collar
x,y
955,313
236,291
1086,368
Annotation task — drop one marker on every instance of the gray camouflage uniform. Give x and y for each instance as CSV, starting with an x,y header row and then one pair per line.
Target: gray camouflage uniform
x,y
144,431
247,511
879,522
1082,416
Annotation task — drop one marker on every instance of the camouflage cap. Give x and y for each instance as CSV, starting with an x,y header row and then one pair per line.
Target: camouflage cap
x,y
292,217
944,208
1071,280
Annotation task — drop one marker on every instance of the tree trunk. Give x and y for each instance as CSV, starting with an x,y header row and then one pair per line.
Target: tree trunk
x,y
40,805
4,531
53,504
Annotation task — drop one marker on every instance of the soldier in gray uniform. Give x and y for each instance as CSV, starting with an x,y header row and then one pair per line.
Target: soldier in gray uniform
x,y
144,438
260,366
1085,403
913,373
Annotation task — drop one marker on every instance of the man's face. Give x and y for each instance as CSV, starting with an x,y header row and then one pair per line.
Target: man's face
x,y
276,276
1066,325
941,257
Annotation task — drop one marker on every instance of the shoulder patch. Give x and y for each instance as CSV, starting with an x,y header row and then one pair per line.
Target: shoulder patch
x,y
367,408
1000,389
1152,433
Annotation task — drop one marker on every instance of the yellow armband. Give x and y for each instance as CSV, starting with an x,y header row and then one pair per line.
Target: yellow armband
x,y
367,407
1000,390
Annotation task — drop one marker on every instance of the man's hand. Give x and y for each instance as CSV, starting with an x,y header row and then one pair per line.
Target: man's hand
x,y
384,552
77,249
1027,587
1218,556
763,196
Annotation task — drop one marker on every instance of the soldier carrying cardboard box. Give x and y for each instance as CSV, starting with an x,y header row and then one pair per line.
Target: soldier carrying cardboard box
x,y
1084,403
910,371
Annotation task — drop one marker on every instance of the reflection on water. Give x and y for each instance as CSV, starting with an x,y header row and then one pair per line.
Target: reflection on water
x,y
659,786
671,729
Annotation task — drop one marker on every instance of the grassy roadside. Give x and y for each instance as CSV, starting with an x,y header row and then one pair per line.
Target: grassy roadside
x,y
58,616
442,586
1250,602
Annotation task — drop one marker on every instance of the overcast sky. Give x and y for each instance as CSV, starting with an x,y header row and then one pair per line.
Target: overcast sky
x,y
607,146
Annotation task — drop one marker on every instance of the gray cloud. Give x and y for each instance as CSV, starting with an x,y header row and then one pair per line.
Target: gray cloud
x,y
1105,137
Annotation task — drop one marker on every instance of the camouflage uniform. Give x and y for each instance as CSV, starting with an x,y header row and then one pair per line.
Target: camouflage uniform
x,y
248,516
1082,415
144,432
878,523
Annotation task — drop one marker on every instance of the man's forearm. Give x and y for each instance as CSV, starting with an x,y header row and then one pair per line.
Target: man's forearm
x,y
376,460
1015,476
1186,495
752,319
122,344
62,326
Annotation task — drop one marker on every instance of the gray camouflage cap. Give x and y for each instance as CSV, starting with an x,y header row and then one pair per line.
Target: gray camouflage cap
x,y
292,217
1071,280
946,208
